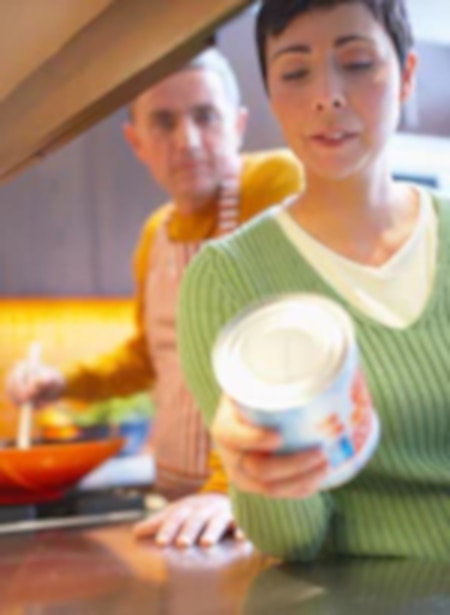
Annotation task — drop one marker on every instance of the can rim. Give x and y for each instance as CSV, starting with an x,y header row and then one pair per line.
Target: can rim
x,y
286,395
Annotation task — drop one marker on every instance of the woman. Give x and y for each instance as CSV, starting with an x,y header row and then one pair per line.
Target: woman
x,y
337,74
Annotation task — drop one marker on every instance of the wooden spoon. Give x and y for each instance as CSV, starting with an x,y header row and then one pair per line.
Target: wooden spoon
x,y
27,408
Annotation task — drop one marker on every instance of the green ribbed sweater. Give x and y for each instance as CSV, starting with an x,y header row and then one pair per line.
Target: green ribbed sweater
x,y
399,505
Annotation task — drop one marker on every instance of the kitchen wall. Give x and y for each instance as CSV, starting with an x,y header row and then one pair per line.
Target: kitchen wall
x,y
68,225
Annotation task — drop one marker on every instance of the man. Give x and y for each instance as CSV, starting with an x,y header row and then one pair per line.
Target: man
x,y
187,131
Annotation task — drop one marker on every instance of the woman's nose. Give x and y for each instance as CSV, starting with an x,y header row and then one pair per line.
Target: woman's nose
x,y
327,103
329,93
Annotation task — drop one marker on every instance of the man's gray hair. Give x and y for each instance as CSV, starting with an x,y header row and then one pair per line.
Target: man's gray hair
x,y
210,59
214,60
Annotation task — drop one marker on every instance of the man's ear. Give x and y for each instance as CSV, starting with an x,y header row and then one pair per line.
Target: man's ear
x,y
131,136
241,123
409,73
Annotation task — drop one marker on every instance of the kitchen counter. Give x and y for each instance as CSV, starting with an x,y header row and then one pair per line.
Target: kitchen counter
x,y
105,571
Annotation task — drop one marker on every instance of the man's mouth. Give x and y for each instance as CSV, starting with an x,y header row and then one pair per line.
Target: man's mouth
x,y
189,166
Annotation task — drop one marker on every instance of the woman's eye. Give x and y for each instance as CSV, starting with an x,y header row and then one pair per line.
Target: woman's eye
x,y
358,66
295,75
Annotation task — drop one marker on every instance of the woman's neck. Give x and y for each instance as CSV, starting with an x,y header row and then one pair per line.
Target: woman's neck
x,y
364,219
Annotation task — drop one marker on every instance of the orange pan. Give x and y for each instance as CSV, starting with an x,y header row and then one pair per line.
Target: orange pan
x,y
45,471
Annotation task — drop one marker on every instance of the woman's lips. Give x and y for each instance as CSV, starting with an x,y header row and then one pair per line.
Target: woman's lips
x,y
333,139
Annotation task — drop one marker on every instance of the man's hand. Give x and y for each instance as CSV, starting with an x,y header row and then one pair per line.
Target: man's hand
x,y
202,519
39,386
249,455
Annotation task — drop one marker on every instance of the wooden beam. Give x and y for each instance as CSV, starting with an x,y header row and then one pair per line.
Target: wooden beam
x,y
45,26
125,49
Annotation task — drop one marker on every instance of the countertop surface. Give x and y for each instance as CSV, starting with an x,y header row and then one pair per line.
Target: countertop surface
x,y
105,571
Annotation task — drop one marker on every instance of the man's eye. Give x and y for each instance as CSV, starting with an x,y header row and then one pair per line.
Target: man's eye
x,y
205,116
164,123
167,125
295,75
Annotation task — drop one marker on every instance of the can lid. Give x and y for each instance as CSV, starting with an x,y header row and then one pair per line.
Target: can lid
x,y
282,352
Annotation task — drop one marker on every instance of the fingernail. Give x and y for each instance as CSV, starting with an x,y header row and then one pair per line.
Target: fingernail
x,y
184,541
162,540
207,541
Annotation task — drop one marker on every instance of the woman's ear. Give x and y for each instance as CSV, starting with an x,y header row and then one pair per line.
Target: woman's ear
x,y
409,73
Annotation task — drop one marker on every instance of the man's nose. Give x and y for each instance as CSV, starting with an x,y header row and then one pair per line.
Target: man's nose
x,y
187,134
329,93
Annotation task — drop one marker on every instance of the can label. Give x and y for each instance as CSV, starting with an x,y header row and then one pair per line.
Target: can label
x,y
341,421
349,443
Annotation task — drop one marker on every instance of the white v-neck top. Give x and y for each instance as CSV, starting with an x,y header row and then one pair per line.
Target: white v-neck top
x,y
395,293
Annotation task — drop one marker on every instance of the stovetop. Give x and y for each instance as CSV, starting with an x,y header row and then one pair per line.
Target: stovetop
x,y
117,491
76,509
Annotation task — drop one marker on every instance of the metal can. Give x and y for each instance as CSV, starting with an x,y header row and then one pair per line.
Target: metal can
x,y
291,363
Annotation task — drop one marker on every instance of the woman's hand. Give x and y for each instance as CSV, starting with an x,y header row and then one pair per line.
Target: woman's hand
x,y
250,460
202,519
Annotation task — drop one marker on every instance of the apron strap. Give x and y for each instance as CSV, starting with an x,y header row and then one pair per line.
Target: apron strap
x,y
229,198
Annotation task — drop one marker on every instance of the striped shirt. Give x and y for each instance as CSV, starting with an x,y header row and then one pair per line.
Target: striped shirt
x,y
399,505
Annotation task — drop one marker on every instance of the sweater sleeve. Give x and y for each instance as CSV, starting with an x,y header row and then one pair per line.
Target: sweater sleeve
x,y
286,528
128,368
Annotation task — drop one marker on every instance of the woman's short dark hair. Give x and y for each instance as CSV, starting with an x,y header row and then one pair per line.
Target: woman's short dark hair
x,y
275,15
